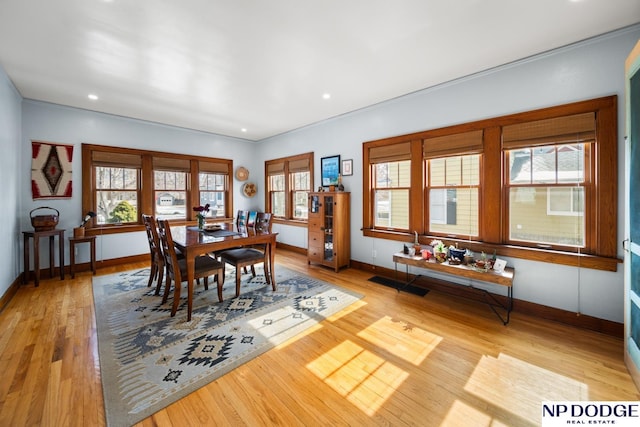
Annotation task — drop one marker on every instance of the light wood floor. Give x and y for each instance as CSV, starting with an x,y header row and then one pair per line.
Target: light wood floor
x,y
391,359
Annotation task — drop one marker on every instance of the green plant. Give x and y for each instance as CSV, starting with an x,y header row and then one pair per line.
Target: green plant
x,y
123,212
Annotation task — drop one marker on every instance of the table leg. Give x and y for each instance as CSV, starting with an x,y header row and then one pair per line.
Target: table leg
x,y
26,273
72,256
272,257
191,268
52,256
93,255
36,259
61,253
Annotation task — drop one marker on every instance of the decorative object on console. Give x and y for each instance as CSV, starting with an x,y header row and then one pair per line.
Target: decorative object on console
x,y
79,231
439,250
44,222
201,214
499,265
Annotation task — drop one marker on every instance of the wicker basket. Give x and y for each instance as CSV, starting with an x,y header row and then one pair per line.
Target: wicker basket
x,y
44,222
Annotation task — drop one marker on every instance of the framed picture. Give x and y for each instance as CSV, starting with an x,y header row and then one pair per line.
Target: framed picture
x,y
347,167
330,169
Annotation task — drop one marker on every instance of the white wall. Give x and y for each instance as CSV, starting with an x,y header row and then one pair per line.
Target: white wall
x,y
591,69
10,121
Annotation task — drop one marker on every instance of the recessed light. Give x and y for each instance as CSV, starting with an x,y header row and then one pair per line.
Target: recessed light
x,y
243,129
93,97
326,95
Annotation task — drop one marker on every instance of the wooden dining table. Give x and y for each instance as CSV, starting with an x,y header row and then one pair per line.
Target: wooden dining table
x,y
193,242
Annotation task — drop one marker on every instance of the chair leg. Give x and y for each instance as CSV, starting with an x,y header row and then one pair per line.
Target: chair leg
x,y
238,277
160,275
167,288
176,299
206,283
220,281
153,273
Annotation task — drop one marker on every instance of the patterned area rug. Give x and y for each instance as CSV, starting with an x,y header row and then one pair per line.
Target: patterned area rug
x,y
149,360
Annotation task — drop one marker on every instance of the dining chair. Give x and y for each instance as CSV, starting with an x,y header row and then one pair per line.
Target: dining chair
x,y
157,259
263,221
205,266
251,218
244,257
241,218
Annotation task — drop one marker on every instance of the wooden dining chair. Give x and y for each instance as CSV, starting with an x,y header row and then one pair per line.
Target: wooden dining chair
x,y
157,259
205,267
244,257
241,218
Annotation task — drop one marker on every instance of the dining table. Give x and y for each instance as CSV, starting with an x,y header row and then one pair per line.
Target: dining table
x,y
194,242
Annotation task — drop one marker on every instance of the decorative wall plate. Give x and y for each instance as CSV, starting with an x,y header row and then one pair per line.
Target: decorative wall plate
x,y
242,173
249,189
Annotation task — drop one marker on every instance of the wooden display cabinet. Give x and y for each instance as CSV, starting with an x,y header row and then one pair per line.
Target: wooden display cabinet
x,y
329,238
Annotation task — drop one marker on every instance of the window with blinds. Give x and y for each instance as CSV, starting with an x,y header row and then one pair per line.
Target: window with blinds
x,y
390,168
289,181
452,192
519,184
117,187
549,180
120,184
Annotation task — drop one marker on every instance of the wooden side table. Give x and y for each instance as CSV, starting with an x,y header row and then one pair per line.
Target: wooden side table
x,y
36,235
73,241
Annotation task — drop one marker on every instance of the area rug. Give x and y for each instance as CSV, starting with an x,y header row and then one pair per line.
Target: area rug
x,y
149,360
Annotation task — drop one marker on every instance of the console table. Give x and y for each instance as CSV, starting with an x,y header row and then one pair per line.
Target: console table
x,y
504,278
36,235
73,241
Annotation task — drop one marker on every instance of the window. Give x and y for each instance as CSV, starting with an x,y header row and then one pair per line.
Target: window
x,y
392,181
120,184
549,182
454,184
213,188
116,193
390,174
522,185
289,181
170,194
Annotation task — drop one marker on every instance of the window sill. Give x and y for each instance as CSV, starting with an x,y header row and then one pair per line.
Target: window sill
x,y
293,222
533,254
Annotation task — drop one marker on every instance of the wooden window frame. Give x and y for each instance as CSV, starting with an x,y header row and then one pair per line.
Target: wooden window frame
x,y
602,225
288,190
146,186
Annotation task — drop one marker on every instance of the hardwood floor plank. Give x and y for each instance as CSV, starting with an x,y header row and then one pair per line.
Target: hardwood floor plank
x,y
390,359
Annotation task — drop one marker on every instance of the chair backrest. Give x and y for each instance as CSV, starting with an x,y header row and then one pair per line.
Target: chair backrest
x,y
152,235
241,219
251,218
169,251
263,221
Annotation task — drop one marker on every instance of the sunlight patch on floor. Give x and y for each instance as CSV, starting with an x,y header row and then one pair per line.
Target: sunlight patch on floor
x,y
462,414
363,378
519,387
404,340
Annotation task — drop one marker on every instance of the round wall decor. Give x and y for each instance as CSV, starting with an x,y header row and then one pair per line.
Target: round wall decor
x,y
249,189
242,173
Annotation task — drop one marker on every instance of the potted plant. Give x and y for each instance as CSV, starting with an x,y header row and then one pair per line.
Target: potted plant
x,y
439,250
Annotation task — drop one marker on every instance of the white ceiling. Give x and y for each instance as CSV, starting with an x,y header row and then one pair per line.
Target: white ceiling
x,y
224,66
